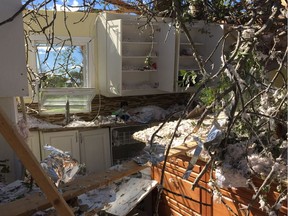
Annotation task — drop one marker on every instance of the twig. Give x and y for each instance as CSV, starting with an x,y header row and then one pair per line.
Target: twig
x,y
258,191
10,19
203,171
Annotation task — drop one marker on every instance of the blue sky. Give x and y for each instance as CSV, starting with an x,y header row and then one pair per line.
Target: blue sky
x,y
59,4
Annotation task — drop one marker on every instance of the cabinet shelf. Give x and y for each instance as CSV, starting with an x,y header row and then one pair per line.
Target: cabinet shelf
x,y
124,46
190,69
138,71
137,57
138,42
187,44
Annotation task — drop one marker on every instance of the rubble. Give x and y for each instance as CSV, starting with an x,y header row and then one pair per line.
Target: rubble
x,y
16,190
62,168
59,165
183,133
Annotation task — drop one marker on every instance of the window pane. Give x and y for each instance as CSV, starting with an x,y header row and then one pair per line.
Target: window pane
x,y
61,66
53,101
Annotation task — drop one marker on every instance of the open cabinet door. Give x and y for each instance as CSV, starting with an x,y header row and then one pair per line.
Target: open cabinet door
x,y
166,43
113,61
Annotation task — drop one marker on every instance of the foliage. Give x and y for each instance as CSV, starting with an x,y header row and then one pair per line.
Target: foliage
x,y
187,78
242,88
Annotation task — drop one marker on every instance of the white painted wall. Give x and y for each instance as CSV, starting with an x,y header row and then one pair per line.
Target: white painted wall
x,y
13,80
8,106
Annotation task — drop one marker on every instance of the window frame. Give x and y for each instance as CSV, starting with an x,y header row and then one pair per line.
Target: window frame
x,y
88,78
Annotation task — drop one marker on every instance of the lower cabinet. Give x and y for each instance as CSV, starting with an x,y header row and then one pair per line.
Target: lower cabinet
x,y
89,146
95,150
66,141
178,199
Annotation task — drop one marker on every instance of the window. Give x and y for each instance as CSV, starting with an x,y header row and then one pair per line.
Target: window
x,y
65,74
54,100
61,65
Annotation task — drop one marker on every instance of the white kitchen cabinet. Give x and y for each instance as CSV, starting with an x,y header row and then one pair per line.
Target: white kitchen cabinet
x,y
205,37
95,149
33,142
124,45
66,141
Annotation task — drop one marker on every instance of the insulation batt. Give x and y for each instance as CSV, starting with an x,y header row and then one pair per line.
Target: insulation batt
x,y
164,135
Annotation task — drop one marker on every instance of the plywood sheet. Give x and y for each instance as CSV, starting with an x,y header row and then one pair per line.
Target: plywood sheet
x,y
130,194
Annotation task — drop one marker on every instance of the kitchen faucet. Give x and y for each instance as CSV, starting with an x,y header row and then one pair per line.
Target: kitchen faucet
x,y
67,112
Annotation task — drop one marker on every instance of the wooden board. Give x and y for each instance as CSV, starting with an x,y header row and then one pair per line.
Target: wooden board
x,y
36,202
130,194
182,149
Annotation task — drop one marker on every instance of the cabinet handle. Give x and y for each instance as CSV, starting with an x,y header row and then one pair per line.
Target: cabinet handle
x,y
80,138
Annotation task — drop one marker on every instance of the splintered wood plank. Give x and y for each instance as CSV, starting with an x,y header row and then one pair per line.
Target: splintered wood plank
x,y
182,149
129,194
36,202
17,143
93,181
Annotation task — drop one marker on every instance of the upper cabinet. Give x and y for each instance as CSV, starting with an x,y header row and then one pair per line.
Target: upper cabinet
x,y
140,58
134,58
205,37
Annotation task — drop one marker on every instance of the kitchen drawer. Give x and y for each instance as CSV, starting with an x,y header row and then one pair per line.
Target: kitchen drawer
x,y
238,208
179,171
177,207
177,185
240,198
220,209
183,161
178,165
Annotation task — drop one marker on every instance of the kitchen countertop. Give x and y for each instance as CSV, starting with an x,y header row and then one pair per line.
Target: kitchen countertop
x,y
83,127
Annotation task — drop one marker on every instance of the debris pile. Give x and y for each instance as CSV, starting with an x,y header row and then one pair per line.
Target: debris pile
x,y
235,164
164,135
16,190
59,165
117,198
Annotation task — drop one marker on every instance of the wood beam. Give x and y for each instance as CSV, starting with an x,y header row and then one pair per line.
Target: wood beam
x,y
125,7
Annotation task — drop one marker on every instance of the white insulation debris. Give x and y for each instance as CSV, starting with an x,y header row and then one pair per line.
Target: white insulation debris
x,y
164,135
